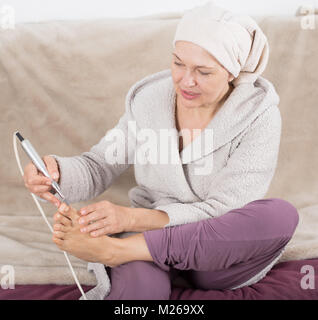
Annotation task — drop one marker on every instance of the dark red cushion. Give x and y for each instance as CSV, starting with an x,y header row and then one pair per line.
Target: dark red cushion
x,y
283,282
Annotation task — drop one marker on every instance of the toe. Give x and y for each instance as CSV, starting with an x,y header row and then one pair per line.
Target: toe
x,y
63,208
69,212
74,215
60,227
57,241
59,234
58,217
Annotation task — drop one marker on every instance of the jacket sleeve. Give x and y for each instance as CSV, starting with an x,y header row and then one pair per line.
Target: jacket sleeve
x,y
86,176
246,176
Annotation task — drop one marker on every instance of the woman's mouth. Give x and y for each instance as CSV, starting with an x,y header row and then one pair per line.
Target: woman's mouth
x,y
189,95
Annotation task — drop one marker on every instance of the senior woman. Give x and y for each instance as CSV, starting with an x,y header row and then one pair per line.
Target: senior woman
x,y
201,215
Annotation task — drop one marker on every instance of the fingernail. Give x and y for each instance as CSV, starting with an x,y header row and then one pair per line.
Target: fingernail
x,y
48,183
83,230
54,176
81,221
56,204
83,211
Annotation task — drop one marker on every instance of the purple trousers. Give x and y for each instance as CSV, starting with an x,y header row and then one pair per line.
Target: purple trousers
x,y
216,253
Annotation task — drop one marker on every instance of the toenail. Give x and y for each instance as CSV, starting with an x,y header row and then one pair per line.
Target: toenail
x,y
63,207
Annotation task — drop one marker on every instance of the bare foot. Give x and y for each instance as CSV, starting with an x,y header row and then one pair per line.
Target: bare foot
x,y
68,237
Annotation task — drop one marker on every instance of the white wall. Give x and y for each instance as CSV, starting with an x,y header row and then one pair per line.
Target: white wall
x,y
39,10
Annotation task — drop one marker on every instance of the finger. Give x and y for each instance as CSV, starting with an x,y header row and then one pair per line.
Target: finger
x,y
60,219
100,232
52,167
39,189
93,216
30,170
90,208
32,177
50,197
95,226
60,227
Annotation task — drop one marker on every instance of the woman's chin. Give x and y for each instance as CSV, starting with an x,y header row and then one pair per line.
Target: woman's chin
x,y
190,105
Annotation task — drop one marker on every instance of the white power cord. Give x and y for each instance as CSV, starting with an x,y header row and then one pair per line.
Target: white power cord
x,y
44,216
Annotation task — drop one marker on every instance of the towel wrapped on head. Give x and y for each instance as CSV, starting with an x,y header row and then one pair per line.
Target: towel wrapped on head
x,y
235,41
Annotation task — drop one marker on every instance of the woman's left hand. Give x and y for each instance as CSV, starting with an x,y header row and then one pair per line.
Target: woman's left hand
x,y
104,218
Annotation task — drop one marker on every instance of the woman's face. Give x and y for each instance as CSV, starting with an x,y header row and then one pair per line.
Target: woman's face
x,y
196,71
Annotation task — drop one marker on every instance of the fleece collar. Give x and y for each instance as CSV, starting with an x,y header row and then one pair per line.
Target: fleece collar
x,y
152,103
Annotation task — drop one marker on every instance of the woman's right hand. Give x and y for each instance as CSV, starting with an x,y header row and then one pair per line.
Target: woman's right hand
x,y
38,183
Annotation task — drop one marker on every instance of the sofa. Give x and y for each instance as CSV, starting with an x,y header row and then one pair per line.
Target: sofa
x,y
63,86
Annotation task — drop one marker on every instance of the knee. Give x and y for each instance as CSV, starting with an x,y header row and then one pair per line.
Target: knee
x,y
142,280
153,282
281,216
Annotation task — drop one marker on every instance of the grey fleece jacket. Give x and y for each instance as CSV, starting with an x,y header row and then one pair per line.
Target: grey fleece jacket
x,y
235,166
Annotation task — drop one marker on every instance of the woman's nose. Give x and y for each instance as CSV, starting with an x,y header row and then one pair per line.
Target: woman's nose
x,y
188,80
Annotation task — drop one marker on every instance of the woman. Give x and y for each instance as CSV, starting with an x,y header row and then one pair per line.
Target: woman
x,y
203,213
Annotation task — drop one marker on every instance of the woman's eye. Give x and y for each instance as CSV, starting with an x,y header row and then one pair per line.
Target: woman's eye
x,y
204,74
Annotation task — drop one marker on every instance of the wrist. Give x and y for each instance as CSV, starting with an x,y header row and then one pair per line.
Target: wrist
x,y
143,219
131,220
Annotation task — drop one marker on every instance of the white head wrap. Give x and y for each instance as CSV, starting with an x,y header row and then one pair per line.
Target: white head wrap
x,y
236,41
